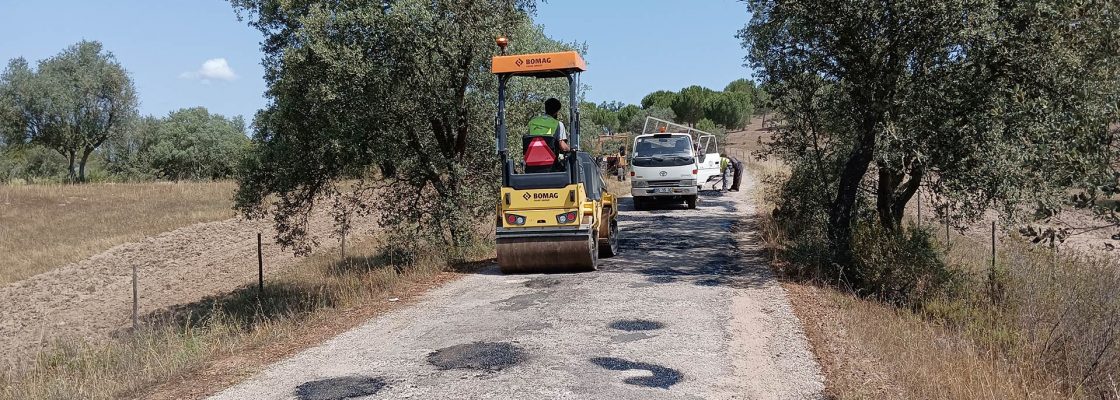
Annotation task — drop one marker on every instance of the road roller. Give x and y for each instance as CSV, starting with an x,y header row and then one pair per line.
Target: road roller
x,y
554,212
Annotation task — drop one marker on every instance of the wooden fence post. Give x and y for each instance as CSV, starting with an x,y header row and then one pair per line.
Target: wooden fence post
x,y
260,266
919,210
135,299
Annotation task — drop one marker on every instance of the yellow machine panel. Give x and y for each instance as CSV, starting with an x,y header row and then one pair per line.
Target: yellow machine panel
x,y
540,218
569,197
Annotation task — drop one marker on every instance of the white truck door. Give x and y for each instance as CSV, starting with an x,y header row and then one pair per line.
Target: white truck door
x,y
707,159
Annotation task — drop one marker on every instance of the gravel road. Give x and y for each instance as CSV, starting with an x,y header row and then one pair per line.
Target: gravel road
x,y
688,310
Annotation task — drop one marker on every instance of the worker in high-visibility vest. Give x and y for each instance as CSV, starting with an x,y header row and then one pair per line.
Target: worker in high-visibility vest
x,y
724,170
550,125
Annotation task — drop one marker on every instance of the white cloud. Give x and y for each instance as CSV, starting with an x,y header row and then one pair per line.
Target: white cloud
x,y
212,69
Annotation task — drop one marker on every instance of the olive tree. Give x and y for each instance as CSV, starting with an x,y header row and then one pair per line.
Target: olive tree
x,y
71,103
385,108
981,101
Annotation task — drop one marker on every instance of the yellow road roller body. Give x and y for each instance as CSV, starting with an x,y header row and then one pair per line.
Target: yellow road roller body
x,y
554,213
555,230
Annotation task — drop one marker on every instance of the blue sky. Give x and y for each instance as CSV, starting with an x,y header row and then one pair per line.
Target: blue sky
x,y
196,53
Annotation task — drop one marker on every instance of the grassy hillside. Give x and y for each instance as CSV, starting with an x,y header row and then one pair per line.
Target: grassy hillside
x,y
47,226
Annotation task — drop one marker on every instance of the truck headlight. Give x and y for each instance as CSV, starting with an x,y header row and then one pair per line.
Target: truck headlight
x,y
639,184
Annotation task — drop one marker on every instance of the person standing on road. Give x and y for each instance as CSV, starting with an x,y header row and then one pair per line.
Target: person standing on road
x,y
723,170
738,170
621,167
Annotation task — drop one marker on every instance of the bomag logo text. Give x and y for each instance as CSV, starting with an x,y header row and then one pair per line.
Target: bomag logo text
x,y
538,61
545,196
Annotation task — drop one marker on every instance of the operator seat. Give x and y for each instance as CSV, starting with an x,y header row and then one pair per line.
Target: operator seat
x,y
541,154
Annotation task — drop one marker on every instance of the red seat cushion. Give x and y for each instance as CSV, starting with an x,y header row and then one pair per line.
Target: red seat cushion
x,y
539,154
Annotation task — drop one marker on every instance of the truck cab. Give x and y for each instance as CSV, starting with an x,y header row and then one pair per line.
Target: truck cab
x,y
664,167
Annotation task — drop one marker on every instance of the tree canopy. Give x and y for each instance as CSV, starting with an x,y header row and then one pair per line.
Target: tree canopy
x,y
71,103
397,94
981,102
189,144
660,98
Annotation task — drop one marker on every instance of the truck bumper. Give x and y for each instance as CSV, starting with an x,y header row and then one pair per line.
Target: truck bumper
x,y
663,191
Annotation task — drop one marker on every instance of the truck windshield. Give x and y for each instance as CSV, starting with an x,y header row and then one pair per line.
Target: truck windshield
x,y
663,151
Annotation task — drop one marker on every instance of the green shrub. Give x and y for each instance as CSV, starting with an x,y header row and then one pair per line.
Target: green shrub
x,y
902,268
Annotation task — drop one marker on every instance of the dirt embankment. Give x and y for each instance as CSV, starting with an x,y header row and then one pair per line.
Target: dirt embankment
x,y
92,299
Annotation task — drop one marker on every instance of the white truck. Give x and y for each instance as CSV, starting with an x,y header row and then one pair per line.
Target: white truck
x,y
671,164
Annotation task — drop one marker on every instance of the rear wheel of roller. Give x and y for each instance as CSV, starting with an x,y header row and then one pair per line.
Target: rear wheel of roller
x,y
608,246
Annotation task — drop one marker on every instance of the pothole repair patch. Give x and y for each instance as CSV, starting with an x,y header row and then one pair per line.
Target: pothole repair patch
x,y
660,377
344,387
631,325
487,356
542,283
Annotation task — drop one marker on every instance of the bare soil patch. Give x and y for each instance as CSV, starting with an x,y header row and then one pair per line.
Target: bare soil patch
x,y
48,226
92,299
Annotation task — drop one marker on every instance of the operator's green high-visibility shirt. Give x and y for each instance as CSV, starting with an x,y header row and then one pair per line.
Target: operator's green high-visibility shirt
x,y
723,164
543,125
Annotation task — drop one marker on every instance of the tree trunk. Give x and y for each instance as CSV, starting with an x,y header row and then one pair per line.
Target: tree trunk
x,y
840,214
885,198
71,173
893,194
82,165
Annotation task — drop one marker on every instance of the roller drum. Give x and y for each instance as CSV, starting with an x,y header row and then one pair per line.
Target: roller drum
x,y
542,254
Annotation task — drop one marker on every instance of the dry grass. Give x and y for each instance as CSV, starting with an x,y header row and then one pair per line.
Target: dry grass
x,y
617,187
1043,325
313,300
48,226
870,350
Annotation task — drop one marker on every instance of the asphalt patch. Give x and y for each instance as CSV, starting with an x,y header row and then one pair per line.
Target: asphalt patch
x,y
542,283
631,325
662,377
523,301
486,356
343,387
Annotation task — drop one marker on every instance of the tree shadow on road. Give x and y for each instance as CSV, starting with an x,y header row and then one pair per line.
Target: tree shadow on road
x,y
701,249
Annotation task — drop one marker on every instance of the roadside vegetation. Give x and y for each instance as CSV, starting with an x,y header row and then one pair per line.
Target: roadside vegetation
x,y
48,226
1007,113
178,352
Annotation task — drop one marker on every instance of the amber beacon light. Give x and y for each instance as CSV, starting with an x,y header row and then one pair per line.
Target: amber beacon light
x,y
502,42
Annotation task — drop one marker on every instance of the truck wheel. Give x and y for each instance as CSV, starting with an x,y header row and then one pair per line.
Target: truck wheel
x,y
691,201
